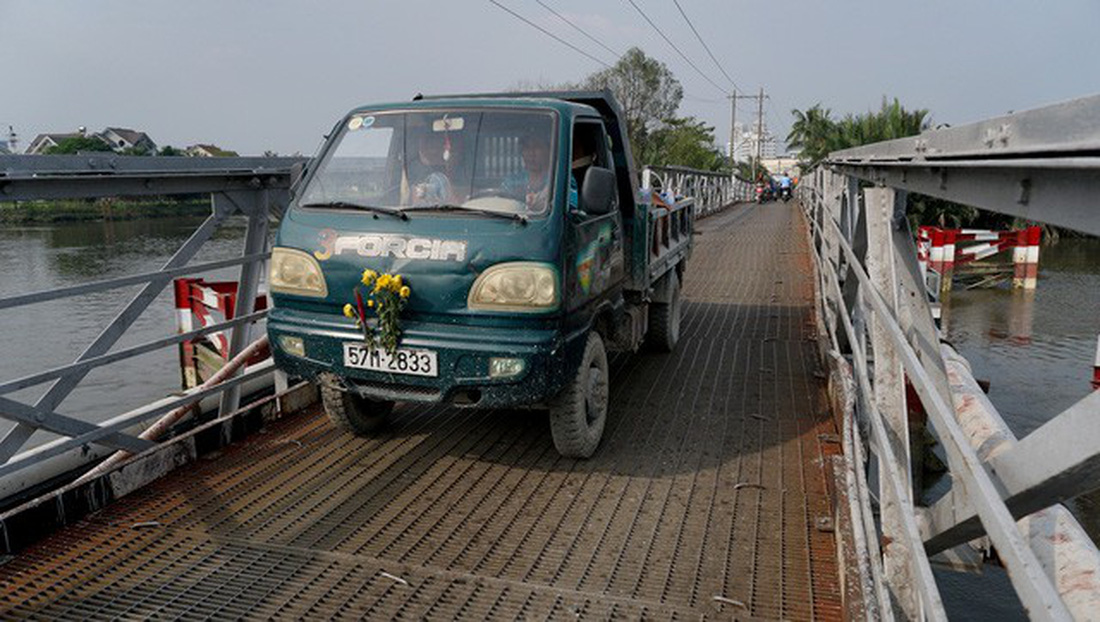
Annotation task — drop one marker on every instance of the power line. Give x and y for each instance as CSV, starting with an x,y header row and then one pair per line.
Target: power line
x,y
578,29
548,33
779,120
673,45
703,100
705,46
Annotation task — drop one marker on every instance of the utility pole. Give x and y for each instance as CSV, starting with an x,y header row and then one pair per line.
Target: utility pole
x,y
733,124
760,124
734,99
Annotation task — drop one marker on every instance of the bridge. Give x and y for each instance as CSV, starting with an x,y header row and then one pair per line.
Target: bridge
x,y
763,470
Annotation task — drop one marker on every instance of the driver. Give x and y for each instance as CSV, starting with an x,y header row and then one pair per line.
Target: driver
x,y
533,182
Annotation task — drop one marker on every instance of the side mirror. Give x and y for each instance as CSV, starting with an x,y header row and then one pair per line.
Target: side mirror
x,y
598,191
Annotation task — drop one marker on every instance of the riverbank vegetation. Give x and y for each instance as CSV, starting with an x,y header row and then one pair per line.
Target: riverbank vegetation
x,y
75,210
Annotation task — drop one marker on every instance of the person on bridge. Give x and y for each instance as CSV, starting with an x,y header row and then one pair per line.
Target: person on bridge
x,y
784,186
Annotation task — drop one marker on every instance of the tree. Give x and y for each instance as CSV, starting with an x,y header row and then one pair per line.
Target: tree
x,y
169,150
812,133
745,170
646,90
683,142
77,144
816,134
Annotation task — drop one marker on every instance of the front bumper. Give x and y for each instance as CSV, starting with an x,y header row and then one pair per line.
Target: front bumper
x,y
463,353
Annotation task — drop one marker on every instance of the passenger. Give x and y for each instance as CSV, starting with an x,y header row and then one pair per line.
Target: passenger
x,y
435,187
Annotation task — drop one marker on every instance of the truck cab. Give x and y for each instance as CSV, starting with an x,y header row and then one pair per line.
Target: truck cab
x,y
512,224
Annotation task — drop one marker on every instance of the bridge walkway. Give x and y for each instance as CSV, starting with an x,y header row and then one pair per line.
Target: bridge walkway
x,y
710,483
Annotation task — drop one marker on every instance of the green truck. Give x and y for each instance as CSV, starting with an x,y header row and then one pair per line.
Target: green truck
x,y
479,250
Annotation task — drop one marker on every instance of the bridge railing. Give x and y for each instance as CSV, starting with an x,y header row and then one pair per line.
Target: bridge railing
x,y
711,191
256,188
1040,165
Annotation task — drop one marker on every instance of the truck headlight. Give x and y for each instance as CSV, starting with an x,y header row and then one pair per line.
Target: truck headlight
x,y
519,286
296,272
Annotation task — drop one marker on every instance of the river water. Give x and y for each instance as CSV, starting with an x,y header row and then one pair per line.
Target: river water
x,y
45,335
1036,348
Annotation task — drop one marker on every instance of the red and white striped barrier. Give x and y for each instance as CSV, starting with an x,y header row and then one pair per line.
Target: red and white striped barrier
x,y
196,303
1026,258
1096,367
942,250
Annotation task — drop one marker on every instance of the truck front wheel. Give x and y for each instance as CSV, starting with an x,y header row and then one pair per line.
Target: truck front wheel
x,y
664,319
579,412
351,412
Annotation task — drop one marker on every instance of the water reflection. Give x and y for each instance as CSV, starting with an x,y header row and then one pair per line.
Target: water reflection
x,y
1007,318
100,249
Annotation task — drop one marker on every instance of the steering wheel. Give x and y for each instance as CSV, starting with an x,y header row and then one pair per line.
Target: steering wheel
x,y
499,191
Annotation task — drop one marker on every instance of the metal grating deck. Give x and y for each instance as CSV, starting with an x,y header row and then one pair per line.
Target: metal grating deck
x,y
709,483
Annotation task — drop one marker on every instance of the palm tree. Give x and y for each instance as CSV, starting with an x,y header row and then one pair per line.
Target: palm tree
x,y
816,134
811,133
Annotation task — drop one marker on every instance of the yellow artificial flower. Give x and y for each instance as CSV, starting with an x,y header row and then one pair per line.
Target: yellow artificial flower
x,y
383,282
370,303
397,283
349,311
405,291
369,276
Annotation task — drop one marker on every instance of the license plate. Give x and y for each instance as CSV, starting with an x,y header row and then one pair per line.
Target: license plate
x,y
404,360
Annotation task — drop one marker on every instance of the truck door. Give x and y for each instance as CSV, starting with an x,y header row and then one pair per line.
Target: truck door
x,y
594,264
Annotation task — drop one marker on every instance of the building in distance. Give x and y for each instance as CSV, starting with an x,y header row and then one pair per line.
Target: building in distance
x,y
125,139
117,139
209,151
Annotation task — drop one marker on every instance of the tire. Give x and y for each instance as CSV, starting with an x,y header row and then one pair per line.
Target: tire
x,y
353,413
664,320
578,414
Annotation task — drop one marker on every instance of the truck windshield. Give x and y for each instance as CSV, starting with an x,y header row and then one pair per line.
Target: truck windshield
x,y
485,160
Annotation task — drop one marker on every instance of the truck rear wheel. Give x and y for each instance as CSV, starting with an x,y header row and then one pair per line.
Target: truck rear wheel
x,y
664,319
351,412
579,412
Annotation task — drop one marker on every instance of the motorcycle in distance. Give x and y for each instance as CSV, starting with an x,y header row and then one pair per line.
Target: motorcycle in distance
x,y
764,193
784,183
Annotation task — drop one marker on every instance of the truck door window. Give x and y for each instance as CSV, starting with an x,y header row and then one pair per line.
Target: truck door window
x,y
589,149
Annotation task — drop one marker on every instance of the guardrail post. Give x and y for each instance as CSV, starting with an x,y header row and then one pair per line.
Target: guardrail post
x,y
889,388
831,209
255,241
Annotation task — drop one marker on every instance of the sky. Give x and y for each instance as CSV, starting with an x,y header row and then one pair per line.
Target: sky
x,y
275,75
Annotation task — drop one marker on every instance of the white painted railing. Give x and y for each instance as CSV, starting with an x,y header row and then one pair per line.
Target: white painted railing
x,y
711,191
1040,165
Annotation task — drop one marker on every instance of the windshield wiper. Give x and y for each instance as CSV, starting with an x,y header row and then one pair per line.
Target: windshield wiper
x,y
450,207
360,206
